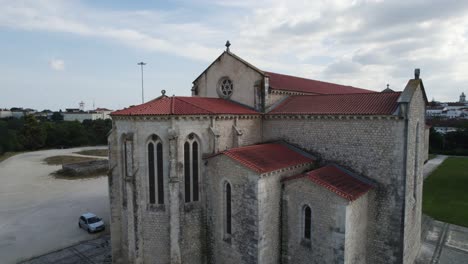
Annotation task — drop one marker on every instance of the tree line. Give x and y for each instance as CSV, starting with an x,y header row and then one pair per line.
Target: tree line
x,y
29,133
451,143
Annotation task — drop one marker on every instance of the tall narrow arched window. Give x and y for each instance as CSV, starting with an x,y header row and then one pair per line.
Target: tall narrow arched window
x,y
228,213
307,218
191,169
416,163
155,171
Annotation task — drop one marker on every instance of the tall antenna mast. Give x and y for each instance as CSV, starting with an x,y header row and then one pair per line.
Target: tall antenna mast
x,y
142,90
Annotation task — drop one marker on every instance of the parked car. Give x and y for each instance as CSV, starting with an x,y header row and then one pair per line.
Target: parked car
x,y
91,223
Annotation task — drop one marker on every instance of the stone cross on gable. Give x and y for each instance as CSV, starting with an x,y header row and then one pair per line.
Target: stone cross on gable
x,y
228,44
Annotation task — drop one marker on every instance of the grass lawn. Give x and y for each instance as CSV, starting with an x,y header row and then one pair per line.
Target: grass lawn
x,y
59,160
94,152
445,196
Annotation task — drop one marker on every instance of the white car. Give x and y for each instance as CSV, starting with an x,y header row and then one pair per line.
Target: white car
x,y
91,223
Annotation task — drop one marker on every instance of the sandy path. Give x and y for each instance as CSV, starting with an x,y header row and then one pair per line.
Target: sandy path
x,y
39,213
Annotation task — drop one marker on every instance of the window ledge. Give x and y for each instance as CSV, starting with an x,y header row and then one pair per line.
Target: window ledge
x,y
227,238
156,207
306,243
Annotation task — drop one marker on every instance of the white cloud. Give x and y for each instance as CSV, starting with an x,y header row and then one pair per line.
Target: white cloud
x,y
57,64
366,43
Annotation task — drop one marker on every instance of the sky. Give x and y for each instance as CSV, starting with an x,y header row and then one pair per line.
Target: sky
x,y
56,53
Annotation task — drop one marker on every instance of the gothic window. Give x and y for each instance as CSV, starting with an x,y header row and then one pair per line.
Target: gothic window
x,y
155,170
128,156
191,169
307,218
228,213
225,87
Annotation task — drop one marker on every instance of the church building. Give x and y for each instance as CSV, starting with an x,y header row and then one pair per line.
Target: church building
x,y
267,168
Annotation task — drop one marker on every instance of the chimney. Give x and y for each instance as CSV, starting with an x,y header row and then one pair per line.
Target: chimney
x,y
417,72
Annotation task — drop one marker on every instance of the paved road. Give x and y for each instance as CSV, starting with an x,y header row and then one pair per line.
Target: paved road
x,y
96,251
443,243
432,164
38,213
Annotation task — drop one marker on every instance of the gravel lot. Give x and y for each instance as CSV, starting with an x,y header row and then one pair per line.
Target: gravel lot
x,y
39,213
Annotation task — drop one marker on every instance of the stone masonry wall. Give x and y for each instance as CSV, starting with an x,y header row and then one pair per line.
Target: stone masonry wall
x,y
369,147
153,221
328,224
241,246
269,215
356,231
414,178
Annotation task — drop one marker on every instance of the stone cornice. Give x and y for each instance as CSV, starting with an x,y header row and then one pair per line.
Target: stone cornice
x,y
262,116
332,117
185,117
284,92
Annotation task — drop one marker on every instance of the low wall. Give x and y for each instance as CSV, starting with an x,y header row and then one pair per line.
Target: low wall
x,y
86,167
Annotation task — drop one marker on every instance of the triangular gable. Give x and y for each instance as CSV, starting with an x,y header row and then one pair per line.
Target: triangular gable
x,y
410,89
228,53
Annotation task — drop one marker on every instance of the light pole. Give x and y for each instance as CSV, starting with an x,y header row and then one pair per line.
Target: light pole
x,y
142,91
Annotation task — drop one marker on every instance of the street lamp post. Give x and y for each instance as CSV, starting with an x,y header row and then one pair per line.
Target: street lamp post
x,y
142,91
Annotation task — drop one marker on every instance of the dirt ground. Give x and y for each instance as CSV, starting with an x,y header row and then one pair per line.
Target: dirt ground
x,y
39,213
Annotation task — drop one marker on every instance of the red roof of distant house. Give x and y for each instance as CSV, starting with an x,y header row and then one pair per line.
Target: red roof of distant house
x,y
179,105
340,104
296,84
337,181
267,157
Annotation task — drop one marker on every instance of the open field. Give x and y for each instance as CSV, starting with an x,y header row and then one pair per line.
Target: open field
x,y
445,196
94,152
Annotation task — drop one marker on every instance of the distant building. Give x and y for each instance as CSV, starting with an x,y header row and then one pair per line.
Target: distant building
x,y
4,113
445,130
74,114
18,112
448,110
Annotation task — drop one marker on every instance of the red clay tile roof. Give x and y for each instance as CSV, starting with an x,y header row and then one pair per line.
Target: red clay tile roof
x,y
267,157
296,84
179,105
337,181
340,104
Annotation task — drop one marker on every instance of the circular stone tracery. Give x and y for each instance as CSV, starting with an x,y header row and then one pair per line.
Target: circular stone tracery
x,y
226,87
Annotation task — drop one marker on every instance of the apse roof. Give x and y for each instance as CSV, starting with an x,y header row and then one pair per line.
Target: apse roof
x,y
337,180
268,157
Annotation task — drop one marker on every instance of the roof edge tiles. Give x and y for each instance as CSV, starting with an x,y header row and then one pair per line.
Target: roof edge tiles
x,y
337,180
339,104
284,82
186,105
267,157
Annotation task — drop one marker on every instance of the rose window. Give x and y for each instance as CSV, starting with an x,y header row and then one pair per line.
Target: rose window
x,y
226,87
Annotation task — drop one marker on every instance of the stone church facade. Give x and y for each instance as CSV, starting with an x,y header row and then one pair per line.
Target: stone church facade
x,y
260,167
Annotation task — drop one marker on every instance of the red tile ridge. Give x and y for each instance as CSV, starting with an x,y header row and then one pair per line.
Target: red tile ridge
x,y
190,103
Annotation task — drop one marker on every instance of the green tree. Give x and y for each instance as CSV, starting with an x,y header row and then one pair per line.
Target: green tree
x,y
56,116
33,134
